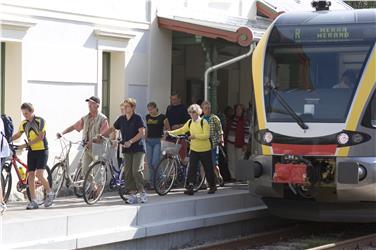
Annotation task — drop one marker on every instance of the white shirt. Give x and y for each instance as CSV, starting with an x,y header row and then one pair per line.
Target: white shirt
x,y
5,151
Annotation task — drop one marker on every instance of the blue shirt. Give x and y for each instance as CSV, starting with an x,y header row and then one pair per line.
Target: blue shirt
x,y
129,129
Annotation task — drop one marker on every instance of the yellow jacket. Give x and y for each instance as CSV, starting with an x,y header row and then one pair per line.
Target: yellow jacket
x,y
201,143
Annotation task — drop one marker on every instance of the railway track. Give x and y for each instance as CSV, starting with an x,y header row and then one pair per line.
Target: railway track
x,y
312,236
362,242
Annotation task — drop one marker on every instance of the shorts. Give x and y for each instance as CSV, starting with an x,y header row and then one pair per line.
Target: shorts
x,y
37,160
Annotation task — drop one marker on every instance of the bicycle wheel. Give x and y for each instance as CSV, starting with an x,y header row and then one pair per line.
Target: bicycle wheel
x,y
78,181
40,191
94,182
58,174
123,192
6,181
166,175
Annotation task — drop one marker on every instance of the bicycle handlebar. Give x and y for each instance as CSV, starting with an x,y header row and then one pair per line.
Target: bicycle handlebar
x,y
106,139
71,142
179,137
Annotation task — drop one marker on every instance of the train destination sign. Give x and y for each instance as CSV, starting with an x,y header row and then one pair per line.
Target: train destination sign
x,y
322,33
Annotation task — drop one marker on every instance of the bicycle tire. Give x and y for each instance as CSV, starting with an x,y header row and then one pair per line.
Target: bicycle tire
x,y
200,178
41,192
6,183
87,184
169,172
201,182
122,190
77,190
57,182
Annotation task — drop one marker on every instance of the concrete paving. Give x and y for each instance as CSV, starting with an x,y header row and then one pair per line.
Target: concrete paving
x,y
71,224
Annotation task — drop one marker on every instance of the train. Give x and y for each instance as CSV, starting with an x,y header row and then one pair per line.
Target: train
x,y
314,136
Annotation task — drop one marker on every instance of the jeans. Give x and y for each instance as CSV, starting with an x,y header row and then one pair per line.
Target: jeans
x,y
153,154
215,155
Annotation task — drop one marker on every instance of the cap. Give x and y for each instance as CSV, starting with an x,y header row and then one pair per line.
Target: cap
x,y
93,99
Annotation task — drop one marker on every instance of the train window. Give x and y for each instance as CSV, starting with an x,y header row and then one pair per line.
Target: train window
x,y
369,119
317,82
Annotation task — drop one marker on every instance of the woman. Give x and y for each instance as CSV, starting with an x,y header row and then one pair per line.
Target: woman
x,y
132,129
155,124
200,148
237,137
35,129
4,153
216,137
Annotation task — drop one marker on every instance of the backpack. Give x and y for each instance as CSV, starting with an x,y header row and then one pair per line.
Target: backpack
x,y
201,122
8,127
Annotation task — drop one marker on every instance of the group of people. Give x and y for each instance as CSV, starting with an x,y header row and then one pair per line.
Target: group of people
x,y
139,138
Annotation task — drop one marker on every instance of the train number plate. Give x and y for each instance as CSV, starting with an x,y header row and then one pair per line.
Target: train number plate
x,y
290,173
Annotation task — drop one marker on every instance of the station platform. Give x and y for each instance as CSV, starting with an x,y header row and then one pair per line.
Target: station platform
x,y
71,224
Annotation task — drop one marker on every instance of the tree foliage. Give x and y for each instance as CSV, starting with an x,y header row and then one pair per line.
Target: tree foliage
x,y
362,4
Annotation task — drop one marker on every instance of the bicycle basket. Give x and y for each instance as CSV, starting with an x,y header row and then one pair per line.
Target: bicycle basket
x,y
170,147
103,151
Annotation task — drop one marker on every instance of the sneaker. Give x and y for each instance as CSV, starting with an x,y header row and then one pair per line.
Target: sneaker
x,y
49,199
189,190
32,205
3,208
212,189
132,199
143,197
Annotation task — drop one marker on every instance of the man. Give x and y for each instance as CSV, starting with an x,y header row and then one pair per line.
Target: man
x,y
176,112
4,153
34,128
176,116
216,137
347,80
91,125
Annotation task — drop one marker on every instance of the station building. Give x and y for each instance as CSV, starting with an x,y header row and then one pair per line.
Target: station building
x,y
55,54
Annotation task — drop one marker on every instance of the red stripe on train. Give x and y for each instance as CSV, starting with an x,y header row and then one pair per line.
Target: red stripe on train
x,y
304,149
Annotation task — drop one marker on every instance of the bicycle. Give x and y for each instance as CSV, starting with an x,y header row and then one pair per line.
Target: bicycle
x,y
172,169
61,170
96,177
21,170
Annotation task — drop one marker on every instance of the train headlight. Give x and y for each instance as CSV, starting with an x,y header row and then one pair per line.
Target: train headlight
x,y
267,137
343,138
357,138
362,172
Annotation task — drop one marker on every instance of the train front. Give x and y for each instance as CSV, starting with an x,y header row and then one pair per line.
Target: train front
x,y
314,143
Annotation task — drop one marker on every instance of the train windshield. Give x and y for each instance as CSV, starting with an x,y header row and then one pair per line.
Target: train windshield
x,y
316,76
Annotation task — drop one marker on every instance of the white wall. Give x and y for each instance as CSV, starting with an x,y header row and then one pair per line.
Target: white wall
x,y
56,64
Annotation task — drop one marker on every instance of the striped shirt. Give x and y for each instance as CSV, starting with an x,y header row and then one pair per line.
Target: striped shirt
x,y
216,130
233,130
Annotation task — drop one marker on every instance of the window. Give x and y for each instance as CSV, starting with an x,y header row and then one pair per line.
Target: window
x,y
315,69
106,71
369,119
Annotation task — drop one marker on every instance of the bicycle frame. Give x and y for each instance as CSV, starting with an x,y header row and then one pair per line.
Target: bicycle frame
x,y
14,160
67,146
181,168
115,174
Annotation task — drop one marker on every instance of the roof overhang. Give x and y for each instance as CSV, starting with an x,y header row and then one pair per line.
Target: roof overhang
x,y
241,35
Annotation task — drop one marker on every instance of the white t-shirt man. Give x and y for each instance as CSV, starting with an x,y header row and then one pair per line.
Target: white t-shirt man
x,y
4,148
